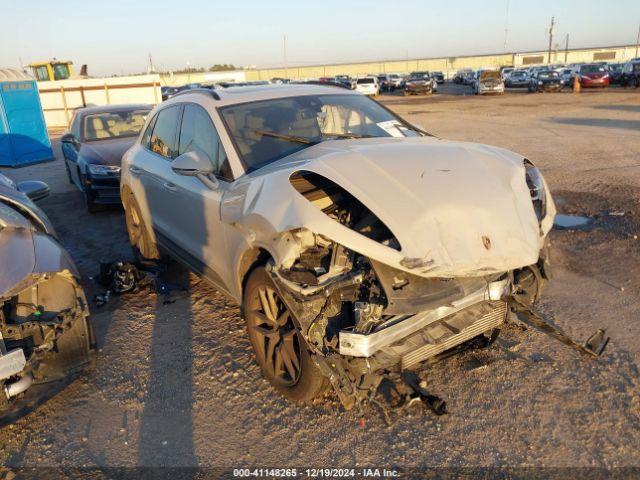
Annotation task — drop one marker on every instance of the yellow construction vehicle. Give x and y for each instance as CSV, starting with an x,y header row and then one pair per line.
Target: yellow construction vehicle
x,y
52,70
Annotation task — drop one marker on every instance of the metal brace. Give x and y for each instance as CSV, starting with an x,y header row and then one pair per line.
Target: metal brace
x,y
593,347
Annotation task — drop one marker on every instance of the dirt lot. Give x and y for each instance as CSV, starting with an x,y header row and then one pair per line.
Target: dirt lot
x,y
176,385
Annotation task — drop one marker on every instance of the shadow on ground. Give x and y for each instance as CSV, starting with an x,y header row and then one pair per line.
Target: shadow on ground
x,y
601,123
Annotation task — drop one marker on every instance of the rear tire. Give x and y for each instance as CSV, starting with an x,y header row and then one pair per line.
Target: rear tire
x,y
139,237
277,343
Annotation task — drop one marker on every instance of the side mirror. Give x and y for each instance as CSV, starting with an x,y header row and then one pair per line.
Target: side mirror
x,y
33,189
194,164
191,164
68,138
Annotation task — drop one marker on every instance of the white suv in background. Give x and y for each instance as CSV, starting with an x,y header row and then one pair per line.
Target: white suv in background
x,y
368,86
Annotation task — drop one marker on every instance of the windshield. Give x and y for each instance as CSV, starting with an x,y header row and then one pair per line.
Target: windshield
x,y
592,69
419,75
489,74
365,80
102,126
268,130
549,74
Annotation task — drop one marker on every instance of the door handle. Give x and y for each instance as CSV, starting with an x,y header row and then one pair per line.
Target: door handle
x,y
135,170
169,186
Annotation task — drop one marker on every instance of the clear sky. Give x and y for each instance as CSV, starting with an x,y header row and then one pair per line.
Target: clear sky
x,y
115,37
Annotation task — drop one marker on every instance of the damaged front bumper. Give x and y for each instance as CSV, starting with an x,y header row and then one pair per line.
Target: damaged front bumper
x,y
45,334
434,325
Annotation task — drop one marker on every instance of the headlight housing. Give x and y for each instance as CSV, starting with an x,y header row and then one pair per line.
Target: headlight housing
x,y
104,170
536,189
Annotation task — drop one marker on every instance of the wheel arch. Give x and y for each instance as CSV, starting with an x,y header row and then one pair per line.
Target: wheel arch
x,y
251,258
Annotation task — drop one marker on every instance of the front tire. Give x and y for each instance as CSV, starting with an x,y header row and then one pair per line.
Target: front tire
x,y
277,343
89,202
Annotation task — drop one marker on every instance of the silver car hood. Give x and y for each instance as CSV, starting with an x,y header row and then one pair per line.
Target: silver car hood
x,y
26,252
457,209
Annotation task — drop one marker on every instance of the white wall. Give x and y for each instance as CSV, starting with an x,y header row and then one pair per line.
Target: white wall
x,y
59,98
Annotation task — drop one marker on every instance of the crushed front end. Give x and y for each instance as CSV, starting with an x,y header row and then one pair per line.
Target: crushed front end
x,y
363,319
45,334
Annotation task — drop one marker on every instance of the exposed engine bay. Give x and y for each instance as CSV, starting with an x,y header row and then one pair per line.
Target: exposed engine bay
x,y
364,319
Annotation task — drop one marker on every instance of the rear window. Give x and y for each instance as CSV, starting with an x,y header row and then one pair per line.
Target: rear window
x,y
106,125
365,80
592,69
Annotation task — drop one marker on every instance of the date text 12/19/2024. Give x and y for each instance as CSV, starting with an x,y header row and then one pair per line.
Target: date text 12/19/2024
x,y
315,473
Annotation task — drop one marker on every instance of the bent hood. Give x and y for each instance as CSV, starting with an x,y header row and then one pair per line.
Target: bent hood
x,y
457,209
106,152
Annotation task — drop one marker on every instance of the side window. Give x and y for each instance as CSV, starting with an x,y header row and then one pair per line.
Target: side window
x,y
163,138
146,136
198,133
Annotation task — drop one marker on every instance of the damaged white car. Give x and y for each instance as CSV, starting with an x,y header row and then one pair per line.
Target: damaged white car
x,y
356,243
45,334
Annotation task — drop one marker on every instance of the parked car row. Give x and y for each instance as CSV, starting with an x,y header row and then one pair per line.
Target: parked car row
x,y
547,77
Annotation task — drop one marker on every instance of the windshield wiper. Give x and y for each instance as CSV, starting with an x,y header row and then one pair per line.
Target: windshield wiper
x,y
281,136
347,135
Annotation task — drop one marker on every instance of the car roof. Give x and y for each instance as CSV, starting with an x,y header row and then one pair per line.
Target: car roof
x,y
236,95
113,108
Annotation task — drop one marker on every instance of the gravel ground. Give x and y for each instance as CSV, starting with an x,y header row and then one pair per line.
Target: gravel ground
x,y
176,385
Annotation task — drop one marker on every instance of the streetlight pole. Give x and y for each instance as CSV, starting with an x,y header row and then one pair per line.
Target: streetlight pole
x,y
551,37
566,48
637,41
506,27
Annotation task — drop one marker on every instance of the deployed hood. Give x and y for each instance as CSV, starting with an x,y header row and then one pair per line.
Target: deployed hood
x,y
457,209
106,152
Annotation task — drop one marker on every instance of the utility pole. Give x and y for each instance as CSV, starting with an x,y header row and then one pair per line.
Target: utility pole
x,y
551,37
151,69
637,41
284,55
506,27
566,48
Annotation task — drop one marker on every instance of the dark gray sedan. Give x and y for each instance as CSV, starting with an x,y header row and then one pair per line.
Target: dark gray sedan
x,y
93,148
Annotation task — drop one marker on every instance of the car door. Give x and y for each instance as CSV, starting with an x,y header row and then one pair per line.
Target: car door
x,y
194,215
152,167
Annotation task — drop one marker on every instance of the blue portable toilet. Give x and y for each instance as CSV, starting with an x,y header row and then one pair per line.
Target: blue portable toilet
x,y
23,132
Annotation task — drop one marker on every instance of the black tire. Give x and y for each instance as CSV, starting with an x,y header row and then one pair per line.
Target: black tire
x,y
277,344
636,82
139,238
90,204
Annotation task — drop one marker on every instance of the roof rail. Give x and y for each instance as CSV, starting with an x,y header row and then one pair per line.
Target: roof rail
x,y
209,91
322,84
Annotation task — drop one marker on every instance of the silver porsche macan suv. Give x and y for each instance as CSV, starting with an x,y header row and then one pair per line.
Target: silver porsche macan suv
x,y
355,243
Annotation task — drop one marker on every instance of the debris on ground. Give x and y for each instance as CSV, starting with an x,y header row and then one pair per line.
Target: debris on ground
x,y
119,277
